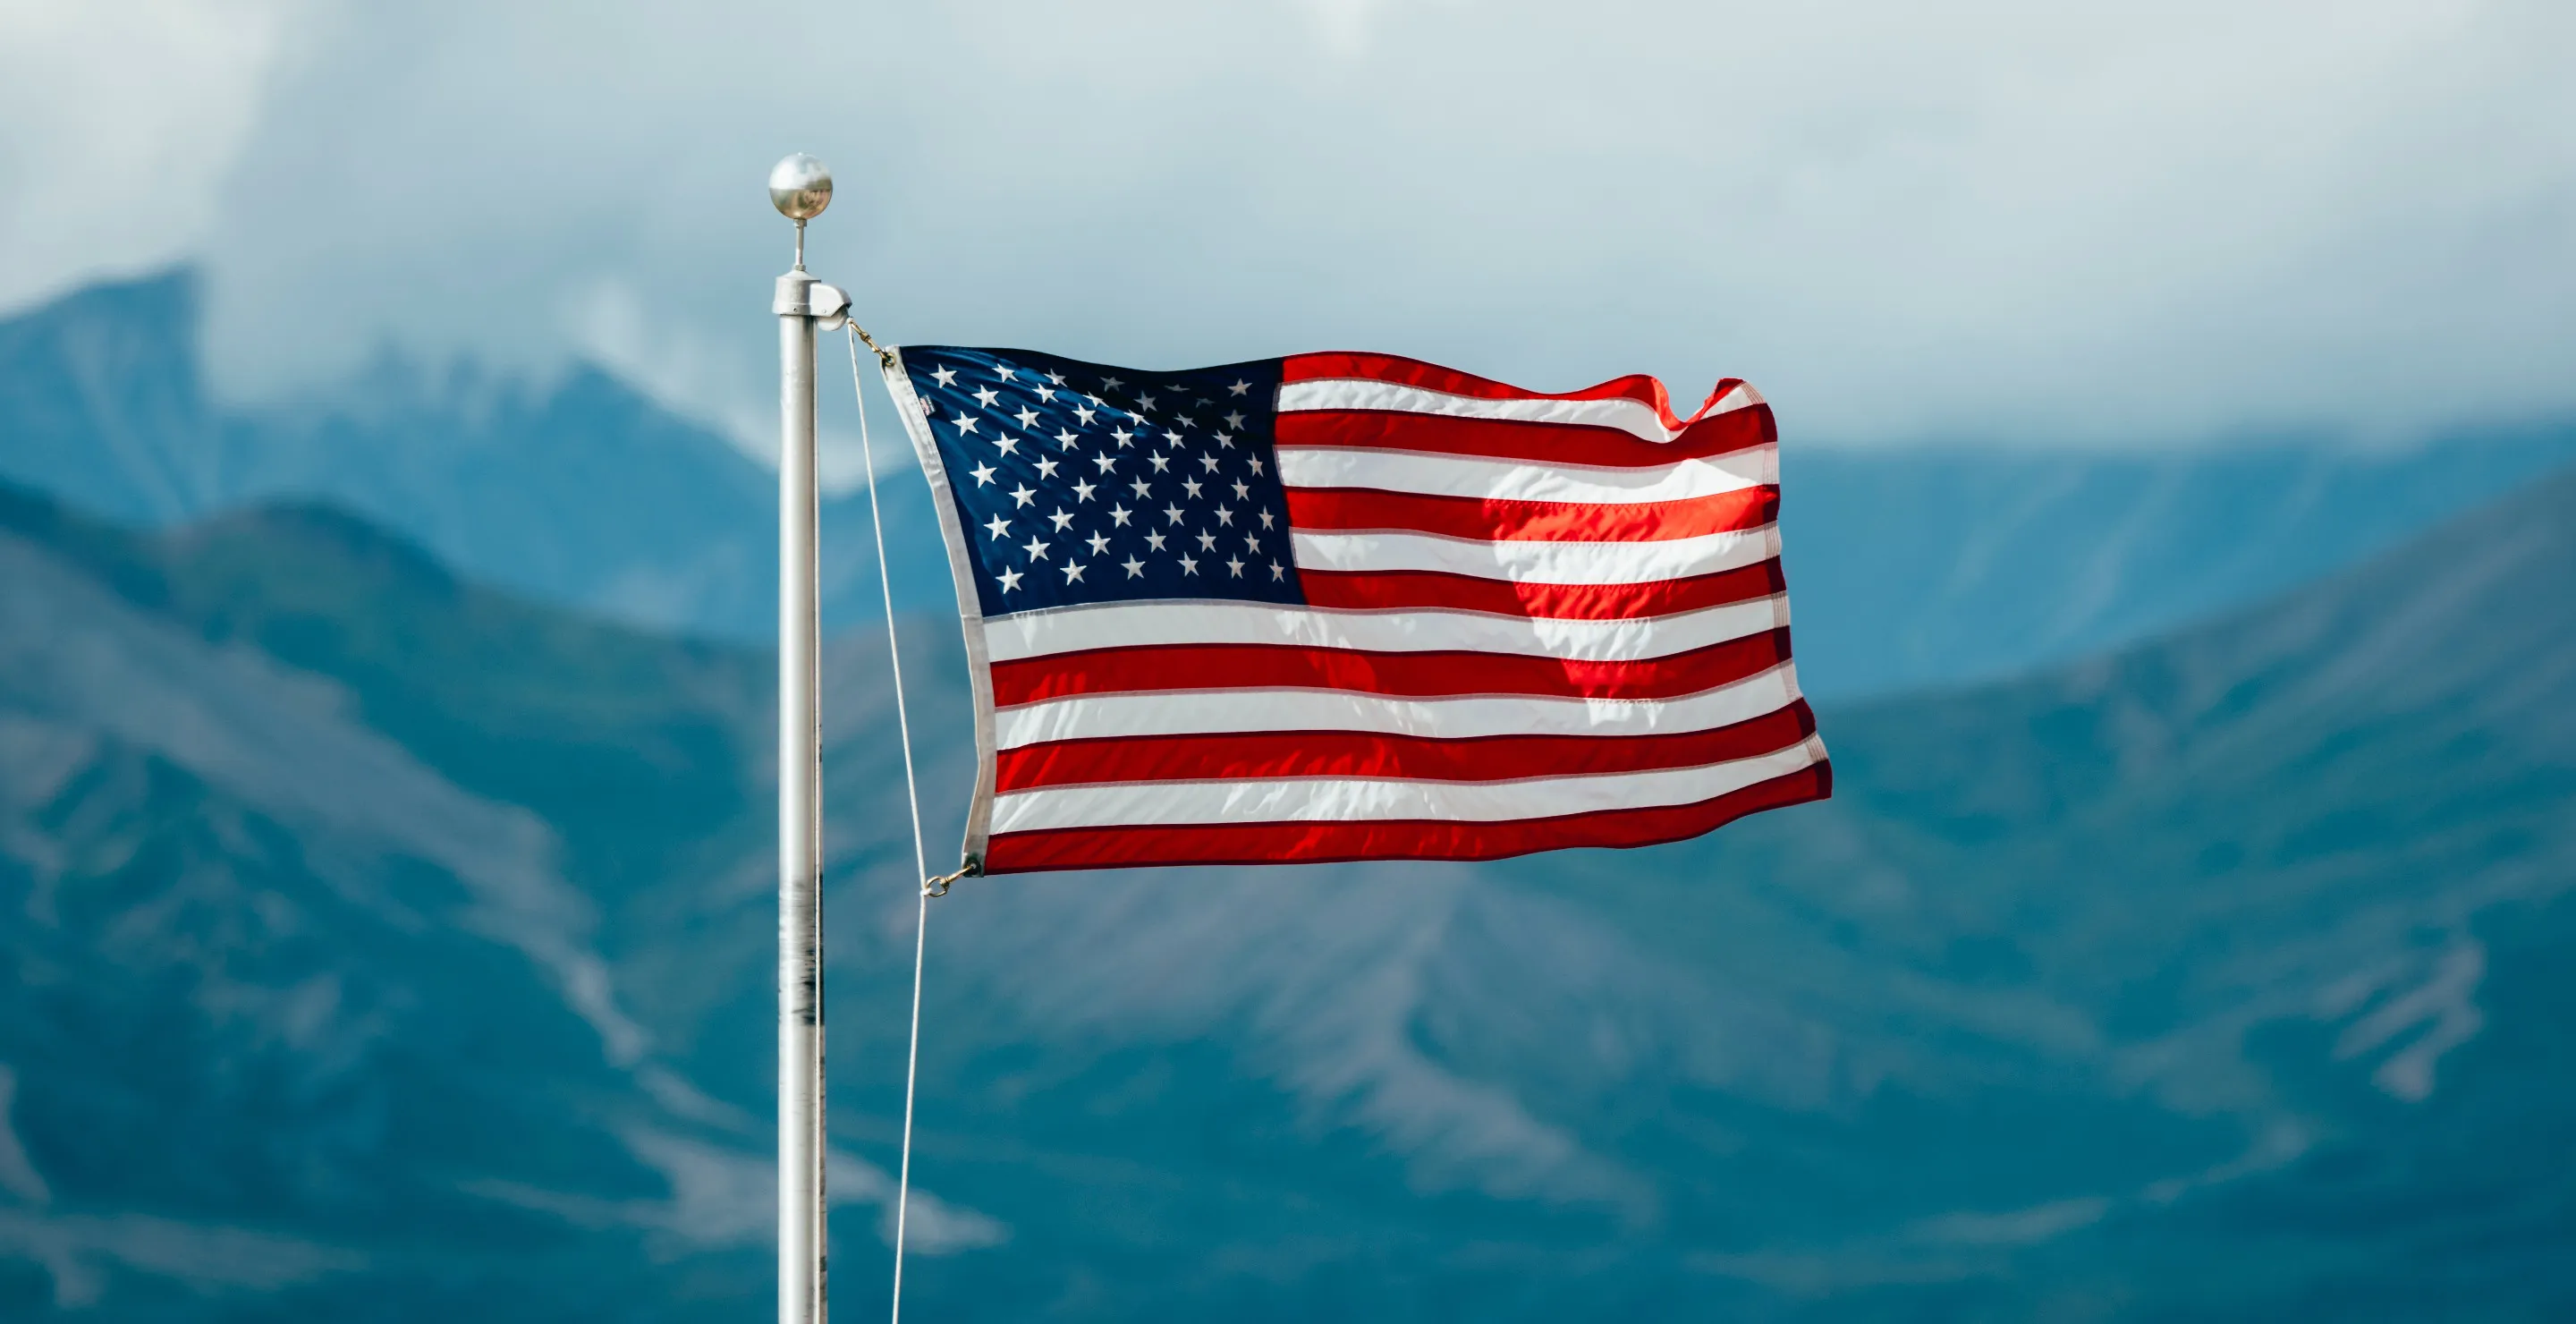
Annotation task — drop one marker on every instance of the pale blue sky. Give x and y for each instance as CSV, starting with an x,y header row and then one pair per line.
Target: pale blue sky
x,y
2025,222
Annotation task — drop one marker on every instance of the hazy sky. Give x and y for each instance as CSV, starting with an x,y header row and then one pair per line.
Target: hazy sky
x,y
2025,222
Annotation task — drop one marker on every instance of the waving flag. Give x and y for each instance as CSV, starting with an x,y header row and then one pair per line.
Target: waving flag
x,y
1353,606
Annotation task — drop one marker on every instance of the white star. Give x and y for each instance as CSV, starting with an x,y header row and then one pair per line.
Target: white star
x,y
1047,468
1056,377
964,424
1073,572
1209,461
1046,395
1106,462
1135,568
1242,492
1265,519
1097,543
1255,462
1235,420
1118,516
1153,542
1174,512
1141,488
1110,383
944,376
1238,388
1189,565
983,474
1022,494
1123,435
999,526
1011,580
1007,445
1225,517
1207,542
1146,400
1028,418
1061,519
1037,550
1083,414
1161,463
1172,437
1252,543
985,396
1225,439
1066,439
1278,571
1082,491
1234,565
1190,486
1003,370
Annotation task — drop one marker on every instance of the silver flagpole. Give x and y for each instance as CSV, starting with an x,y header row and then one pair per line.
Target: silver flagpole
x,y
800,188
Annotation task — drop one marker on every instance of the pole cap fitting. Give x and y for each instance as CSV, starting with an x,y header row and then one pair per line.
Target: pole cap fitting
x,y
800,188
800,295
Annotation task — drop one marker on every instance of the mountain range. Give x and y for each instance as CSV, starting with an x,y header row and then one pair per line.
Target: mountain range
x,y
387,944
576,490
1912,567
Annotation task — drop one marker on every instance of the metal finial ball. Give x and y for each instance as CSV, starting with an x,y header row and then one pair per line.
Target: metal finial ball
x,y
800,187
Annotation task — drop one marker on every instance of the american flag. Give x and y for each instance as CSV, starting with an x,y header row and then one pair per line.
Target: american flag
x,y
1354,606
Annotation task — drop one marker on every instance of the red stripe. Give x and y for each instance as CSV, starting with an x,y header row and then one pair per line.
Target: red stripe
x,y
1234,757
1431,376
1417,675
1321,508
1549,443
1503,597
1319,843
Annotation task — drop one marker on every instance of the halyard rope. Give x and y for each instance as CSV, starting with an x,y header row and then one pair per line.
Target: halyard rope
x,y
912,793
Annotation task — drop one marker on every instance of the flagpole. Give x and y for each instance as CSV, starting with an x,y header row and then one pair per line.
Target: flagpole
x,y
800,188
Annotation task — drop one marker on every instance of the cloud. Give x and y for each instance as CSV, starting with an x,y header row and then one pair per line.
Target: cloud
x,y
118,123
1999,220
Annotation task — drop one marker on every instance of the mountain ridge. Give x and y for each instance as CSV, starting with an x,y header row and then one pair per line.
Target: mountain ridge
x,y
582,491
579,490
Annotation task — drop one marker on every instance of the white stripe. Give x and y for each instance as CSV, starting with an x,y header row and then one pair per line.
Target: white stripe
x,y
1392,630
1353,799
1204,712
1634,417
1513,480
1539,562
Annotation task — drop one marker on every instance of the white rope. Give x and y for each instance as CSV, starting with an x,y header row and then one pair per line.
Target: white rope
x,y
912,793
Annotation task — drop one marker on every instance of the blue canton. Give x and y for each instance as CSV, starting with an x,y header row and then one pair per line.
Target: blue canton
x,y
1077,483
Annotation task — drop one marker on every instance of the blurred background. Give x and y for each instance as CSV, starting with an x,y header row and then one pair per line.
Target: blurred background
x,y
2177,438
